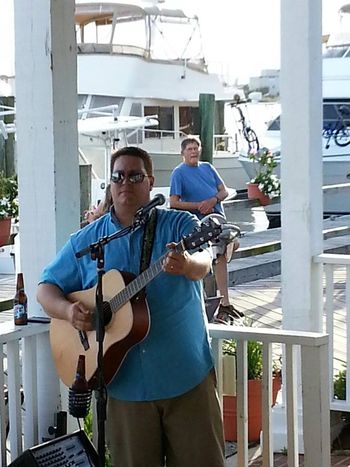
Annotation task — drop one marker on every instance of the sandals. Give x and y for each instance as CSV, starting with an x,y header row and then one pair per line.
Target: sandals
x,y
227,314
231,310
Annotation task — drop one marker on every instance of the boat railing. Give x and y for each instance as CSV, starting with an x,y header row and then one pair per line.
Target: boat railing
x,y
126,49
160,140
338,369
97,48
313,351
20,398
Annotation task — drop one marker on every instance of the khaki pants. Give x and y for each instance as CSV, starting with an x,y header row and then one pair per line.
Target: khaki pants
x,y
185,430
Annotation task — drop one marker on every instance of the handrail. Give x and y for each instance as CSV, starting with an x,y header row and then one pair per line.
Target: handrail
x,y
315,400
18,371
330,261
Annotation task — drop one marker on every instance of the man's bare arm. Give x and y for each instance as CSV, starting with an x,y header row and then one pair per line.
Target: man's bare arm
x,y
176,203
57,306
194,267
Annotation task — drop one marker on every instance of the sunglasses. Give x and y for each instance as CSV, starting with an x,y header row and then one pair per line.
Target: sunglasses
x,y
119,177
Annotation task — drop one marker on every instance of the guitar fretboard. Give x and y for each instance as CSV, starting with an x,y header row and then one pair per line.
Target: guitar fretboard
x,y
137,284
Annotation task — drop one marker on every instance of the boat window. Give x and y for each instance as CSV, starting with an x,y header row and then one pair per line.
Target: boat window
x,y
136,138
165,118
101,101
189,120
335,111
82,98
131,33
335,52
275,124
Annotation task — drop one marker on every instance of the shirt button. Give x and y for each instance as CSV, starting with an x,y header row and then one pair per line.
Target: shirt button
x,y
143,351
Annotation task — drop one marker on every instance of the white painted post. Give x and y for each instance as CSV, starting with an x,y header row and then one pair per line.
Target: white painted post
x,y
316,408
301,173
301,165
47,142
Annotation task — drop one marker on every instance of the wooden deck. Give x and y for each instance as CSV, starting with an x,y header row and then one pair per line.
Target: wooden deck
x,y
7,292
261,302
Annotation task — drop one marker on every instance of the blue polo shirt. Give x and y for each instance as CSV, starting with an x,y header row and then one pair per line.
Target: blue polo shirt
x,y
196,183
175,356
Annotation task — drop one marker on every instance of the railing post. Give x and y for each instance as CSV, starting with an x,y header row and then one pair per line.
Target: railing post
x,y
291,376
316,407
30,388
2,409
14,402
242,403
267,402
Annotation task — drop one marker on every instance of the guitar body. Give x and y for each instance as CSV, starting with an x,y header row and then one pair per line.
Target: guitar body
x,y
128,326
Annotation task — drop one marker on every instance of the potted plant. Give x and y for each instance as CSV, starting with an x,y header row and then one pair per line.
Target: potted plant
x,y
255,369
8,205
265,185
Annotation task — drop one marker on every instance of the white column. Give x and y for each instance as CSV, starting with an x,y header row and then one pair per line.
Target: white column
x,y
48,172
301,172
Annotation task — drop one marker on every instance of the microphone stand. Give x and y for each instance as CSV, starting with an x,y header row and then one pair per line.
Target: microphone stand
x,y
96,251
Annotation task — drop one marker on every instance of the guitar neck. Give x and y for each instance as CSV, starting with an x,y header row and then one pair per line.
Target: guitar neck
x,y
190,242
134,287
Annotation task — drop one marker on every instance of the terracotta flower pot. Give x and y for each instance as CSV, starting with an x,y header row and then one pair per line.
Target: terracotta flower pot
x,y
254,192
254,410
5,228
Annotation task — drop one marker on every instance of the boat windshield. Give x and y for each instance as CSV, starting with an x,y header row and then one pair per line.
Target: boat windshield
x,y
337,52
333,111
154,32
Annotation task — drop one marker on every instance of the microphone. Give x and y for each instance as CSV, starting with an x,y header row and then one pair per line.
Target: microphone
x,y
79,394
158,200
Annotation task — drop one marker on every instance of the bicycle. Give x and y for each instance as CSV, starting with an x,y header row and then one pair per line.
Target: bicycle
x,y
340,132
248,133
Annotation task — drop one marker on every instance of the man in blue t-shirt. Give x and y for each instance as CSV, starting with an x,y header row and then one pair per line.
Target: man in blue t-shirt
x,y
197,187
162,401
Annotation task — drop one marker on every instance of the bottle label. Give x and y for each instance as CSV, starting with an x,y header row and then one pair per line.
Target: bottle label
x,y
20,312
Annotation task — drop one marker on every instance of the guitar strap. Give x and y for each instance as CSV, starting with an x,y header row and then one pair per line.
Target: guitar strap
x,y
148,240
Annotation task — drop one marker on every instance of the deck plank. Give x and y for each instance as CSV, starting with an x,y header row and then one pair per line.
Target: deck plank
x,y
261,302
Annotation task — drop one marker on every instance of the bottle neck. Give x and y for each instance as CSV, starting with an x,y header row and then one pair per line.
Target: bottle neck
x,y
81,367
20,282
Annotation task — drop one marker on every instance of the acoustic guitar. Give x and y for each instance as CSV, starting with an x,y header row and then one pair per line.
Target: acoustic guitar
x,y
126,315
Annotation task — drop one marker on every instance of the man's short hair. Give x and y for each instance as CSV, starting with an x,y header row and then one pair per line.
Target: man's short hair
x,y
134,152
188,140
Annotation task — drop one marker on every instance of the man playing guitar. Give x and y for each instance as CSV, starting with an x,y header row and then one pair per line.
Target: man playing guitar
x,y
162,400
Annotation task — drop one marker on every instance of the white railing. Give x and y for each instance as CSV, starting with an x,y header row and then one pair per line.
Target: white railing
x,y
315,402
18,372
337,362
19,351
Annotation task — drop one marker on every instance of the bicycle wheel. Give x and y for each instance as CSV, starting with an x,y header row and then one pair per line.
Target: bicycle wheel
x,y
252,139
342,136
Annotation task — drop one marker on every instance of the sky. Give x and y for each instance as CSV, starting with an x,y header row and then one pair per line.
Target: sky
x,y
245,34
240,37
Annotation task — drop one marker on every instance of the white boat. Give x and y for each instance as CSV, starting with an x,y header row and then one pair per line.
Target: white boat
x,y
336,121
147,59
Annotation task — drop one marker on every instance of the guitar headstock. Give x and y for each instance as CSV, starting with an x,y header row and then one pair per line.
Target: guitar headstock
x,y
207,231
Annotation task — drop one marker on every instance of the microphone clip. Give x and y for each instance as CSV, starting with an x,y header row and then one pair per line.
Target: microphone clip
x,y
143,212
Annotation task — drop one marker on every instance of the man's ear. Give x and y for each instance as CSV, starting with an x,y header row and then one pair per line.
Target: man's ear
x,y
151,182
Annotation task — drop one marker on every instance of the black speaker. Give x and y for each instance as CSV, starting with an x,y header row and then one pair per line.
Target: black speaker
x,y
74,449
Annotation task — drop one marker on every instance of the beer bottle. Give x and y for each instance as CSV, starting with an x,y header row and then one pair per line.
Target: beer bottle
x,y
79,394
20,302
